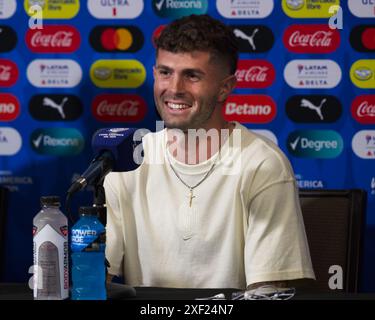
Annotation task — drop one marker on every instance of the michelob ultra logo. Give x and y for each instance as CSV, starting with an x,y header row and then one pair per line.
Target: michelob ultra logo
x,y
57,141
118,73
362,8
7,8
363,144
362,74
308,8
315,144
54,9
119,9
179,8
10,141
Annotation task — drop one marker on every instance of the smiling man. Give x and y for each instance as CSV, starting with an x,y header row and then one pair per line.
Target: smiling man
x,y
221,209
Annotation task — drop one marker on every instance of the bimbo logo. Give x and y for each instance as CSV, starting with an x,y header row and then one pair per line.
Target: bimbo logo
x,y
9,107
363,109
254,74
8,73
179,8
115,9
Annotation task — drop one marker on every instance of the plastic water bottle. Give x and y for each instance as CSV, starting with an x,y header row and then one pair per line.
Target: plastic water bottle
x,y
88,257
50,242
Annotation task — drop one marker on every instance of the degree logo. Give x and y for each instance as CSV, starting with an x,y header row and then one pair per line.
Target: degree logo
x,y
54,9
362,74
308,8
179,8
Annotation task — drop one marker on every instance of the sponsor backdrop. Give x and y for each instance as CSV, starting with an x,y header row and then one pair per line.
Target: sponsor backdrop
x,y
306,86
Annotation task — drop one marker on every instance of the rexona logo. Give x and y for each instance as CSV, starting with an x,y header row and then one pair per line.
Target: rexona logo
x,y
254,74
266,134
253,38
322,144
115,9
53,39
8,39
249,108
55,107
7,8
179,8
311,38
54,9
362,38
119,108
8,73
9,107
116,38
10,141
313,108
363,109
312,74
362,74
118,73
308,8
240,9
54,73
57,141
363,144
362,8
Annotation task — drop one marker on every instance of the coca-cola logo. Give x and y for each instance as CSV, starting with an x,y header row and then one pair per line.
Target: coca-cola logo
x,y
254,74
53,39
313,38
119,108
8,73
249,108
363,109
9,107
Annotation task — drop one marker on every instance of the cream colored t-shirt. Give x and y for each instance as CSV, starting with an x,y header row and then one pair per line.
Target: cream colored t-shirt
x,y
244,224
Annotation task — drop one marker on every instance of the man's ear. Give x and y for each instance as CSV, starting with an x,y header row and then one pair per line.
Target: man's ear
x,y
227,86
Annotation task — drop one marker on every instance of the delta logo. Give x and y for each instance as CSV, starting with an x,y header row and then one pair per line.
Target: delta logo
x,y
7,8
363,109
242,9
362,74
249,109
308,8
115,9
119,108
9,107
116,38
118,73
362,38
362,8
8,73
179,8
8,38
254,74
313,38
363,144
53,39
54,9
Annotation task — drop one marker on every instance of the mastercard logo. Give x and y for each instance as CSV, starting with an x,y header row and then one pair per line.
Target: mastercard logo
x,y
362,38
116,38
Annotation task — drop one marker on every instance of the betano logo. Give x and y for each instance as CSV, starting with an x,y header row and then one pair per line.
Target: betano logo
x,y
179,8
243,9
10,141
7,8
362,74
119,9
322,144
308,8
118,73
54,9
57,141
9,107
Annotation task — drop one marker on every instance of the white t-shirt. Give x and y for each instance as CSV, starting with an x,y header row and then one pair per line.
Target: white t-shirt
x,y
244,224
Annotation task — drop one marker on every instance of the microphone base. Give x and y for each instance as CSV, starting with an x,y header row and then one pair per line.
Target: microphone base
x,y
117,291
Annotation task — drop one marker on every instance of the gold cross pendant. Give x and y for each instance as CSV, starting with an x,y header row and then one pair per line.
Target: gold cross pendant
x,y
191,197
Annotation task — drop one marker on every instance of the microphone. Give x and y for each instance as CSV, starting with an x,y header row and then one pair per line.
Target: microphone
x,y
115,151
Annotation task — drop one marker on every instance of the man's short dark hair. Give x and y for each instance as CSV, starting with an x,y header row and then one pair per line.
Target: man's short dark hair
x,y
200,33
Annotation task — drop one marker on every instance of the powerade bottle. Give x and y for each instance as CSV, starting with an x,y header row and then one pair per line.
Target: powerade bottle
x,y
50,243
88,257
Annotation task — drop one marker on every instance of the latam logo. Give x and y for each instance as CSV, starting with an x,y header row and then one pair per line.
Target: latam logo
x,y
9,107
312,74
116,38
363,109
362,38
57,141
249,109
7,8
54,73
241,9
308,8
253,38
322,144
362,74
119,108
363,144
118,73
8,73
115,9
53,39
8,39
254,74
311,38
362,8
10,141
54,9
266,134
313,108
179,8
55,107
